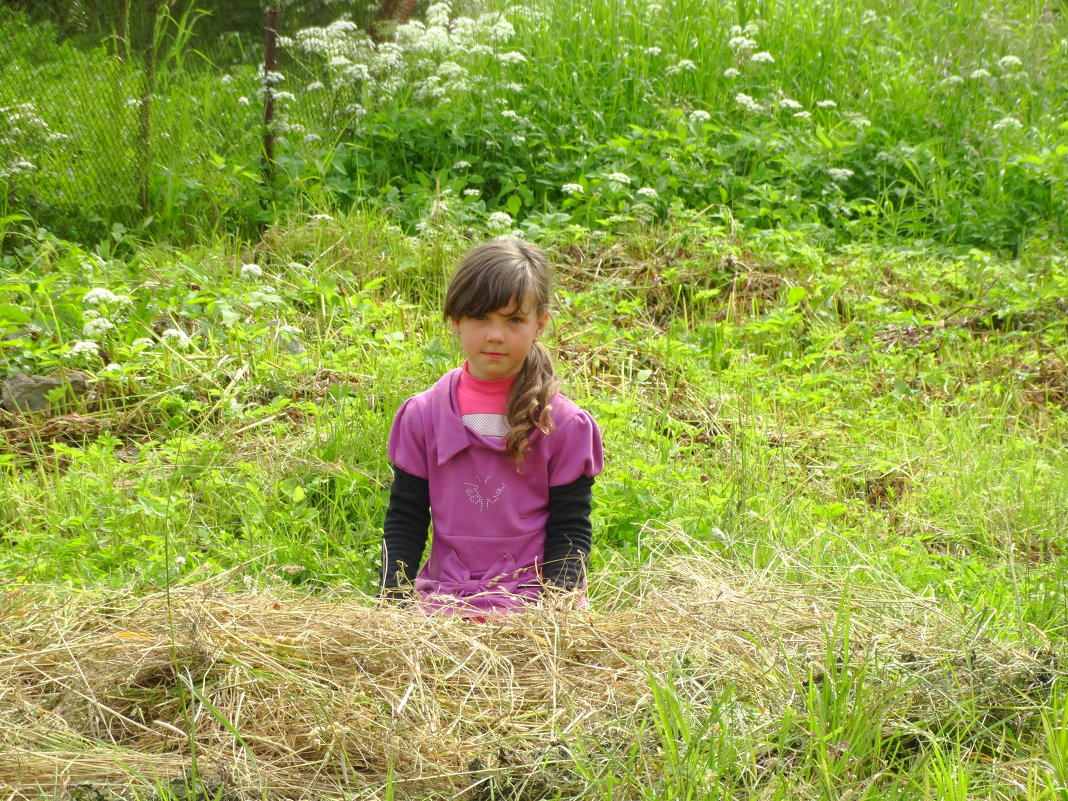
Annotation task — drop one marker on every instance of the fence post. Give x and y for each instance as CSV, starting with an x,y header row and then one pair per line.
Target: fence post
x,y
144,145
270,62
124,31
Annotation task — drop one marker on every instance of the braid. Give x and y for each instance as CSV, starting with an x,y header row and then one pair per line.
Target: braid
x,y
528,405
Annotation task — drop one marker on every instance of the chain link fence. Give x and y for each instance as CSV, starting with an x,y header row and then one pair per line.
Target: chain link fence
x,y
114,111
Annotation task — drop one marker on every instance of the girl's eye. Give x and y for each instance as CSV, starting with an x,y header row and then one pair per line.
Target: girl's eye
x,y
517,320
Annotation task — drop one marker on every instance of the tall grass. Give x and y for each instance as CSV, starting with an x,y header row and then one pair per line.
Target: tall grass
x,y
935,121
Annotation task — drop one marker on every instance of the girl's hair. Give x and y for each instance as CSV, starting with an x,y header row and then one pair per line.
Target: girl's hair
x,y
490,277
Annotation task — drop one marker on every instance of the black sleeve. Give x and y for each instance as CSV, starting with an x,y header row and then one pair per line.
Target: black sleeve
x,y
568,534
404,532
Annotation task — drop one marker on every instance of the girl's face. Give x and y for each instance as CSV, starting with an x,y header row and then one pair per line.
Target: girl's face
x,y
497,343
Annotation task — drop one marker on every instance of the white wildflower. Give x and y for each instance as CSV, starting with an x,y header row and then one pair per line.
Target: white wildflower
x,y
251,272
1008,124
451,71
1009,61
653,51
952,79
321,218
731,72
226,79
572,189
763,57
82,348
176,338
142,343
314,85
858,120
684,65
619,177
472,192
746,102
741,44
699,116
98,327
979,74
112,368
94,297
273,78
803,115
502,30
511,57
647,192
285,97
826,104
339,61
311,139
839,174
461,165
518,139
787,103
242,101
437,14
499,221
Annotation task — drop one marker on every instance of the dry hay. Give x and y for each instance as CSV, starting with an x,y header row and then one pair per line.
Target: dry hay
x,y
282,695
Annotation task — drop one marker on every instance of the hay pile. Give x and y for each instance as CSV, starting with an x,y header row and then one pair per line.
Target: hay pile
x,y
277,694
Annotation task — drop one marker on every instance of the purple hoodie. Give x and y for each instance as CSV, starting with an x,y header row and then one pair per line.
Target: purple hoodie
x,y
488,520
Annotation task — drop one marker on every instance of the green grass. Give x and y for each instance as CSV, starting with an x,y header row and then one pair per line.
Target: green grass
x,y
889,419
857,121
855,381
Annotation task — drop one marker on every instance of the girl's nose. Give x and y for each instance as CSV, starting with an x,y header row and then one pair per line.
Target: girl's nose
x,y
495,333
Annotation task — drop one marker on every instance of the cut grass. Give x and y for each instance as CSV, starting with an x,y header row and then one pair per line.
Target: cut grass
x,y
691,673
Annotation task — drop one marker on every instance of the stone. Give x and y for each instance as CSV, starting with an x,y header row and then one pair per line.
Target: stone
x,y
29,393
283,339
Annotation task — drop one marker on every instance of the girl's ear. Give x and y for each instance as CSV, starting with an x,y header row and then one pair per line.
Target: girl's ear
x,y
455,325
543,322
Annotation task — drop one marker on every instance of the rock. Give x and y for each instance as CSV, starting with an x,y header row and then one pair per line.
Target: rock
x,y
29,393
282,338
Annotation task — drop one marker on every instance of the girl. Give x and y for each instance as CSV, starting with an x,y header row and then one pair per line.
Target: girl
x,y
492,454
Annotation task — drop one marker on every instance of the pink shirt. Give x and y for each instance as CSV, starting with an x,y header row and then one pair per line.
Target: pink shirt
x,y
488,520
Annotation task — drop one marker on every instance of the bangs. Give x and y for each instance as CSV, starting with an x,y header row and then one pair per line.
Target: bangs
x,y
489,290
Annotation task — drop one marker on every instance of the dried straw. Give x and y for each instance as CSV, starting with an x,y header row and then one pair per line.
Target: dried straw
x,y
276,694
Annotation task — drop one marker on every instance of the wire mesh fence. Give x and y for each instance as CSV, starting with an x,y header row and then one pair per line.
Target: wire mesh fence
x,y
114,111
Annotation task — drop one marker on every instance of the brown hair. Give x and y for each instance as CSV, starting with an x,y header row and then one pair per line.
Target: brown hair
x,y
489,278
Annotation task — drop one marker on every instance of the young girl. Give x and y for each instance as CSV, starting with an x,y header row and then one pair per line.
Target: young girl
x,y
492,454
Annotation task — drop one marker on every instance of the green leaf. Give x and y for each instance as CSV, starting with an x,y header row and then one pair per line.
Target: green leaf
x,y
514,204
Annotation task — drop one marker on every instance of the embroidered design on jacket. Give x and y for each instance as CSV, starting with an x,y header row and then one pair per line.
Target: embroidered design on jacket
x,y
474,492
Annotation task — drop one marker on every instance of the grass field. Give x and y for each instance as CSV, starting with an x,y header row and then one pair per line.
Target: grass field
x,y
826,344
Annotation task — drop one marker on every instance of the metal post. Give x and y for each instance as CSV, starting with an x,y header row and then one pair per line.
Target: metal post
x,y
144,145
270,63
